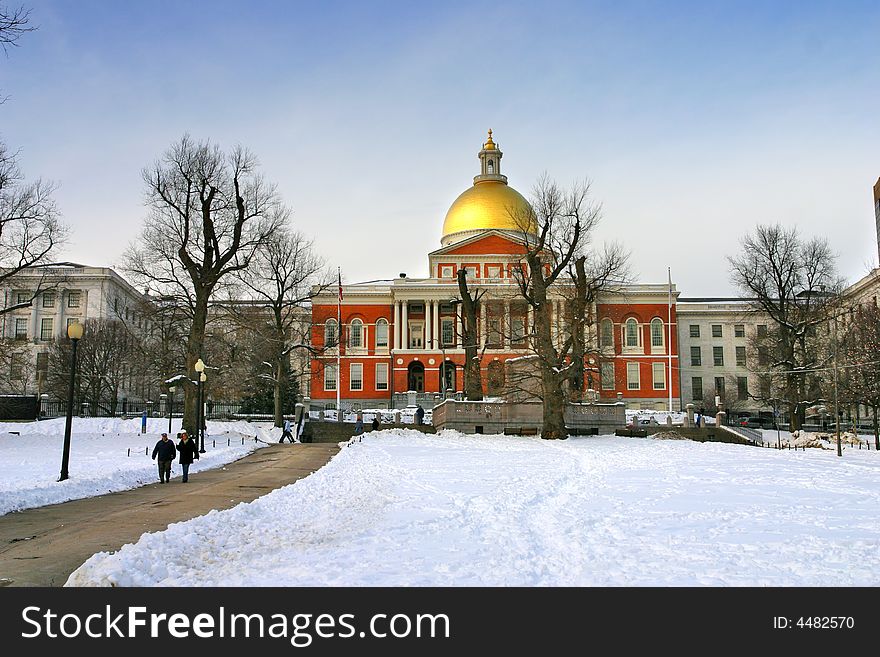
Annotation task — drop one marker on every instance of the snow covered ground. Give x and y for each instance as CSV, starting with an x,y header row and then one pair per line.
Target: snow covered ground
x,y
106,455
405,509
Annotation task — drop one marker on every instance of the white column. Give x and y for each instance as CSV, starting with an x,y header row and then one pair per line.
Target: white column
x,y
428,336
396,325
60,329
404,329
436,330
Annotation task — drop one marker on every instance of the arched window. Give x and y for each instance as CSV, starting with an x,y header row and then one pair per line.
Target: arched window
x,y
656,332
606,333
381,333
491,166
331,334
632,333
356,334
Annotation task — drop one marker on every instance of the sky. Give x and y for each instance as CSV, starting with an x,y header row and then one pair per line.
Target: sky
x,y
694,121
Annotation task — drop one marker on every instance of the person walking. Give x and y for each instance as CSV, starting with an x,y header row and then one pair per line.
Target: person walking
x,y
420,415
359,425
165,451
286,432
376,422
188,452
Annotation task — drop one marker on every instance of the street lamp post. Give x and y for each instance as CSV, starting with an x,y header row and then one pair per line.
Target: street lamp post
x,y
74,332
202,379
170,408
199,367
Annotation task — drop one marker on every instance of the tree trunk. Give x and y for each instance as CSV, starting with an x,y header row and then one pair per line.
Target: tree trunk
x,y
194,347
552,381
578,325
473,382
280,381
876,428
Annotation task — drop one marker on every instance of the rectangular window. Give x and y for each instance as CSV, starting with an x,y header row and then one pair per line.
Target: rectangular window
x,y
632,376
43,363
607,373
658,372
763,356
381,376
718,356
656,333
493,328
446,271
697,388
695,330
719,386
494,271
356,377
716,330
742,388
48,299
416,308
518,331
606,333
74,299
739,330
23,297
765,387
416,339
762,330
330,377
46,328
447,331
21,328
696,356
471,272
741,356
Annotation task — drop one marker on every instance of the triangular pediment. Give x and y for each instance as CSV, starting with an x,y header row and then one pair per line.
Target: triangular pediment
x,y
491,242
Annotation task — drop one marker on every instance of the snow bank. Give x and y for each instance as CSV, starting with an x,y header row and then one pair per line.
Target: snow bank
x,y
106,455
400,508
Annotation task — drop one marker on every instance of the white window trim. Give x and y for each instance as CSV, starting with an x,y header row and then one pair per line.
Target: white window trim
x,y
633,367
661,348
351,379
331,367
383,347
662,371
331,322
411,333
382,367
638,348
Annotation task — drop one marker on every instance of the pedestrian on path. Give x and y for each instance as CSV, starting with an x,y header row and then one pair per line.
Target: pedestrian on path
x,y
188,452
286,432
359,425
376,422
165,451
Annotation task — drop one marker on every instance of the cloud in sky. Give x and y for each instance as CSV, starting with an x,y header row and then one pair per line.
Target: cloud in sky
x,y
695,121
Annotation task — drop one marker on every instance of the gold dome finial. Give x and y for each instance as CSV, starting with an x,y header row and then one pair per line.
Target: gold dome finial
x,y
489,145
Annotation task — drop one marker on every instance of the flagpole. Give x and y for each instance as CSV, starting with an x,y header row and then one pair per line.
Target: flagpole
x,y
669,339
339,348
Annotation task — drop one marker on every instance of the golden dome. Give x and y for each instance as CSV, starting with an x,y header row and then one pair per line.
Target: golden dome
x,y
487,205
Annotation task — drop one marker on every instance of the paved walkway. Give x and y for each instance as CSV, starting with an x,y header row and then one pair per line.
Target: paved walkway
x,y
41,547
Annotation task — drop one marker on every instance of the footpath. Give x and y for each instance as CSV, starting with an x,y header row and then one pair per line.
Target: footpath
x,y
41,547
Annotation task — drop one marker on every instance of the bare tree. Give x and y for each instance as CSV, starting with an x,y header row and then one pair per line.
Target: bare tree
x,y
14,22
107,357
859,362
30,229
285,274
470,306
794,282
209,213
555,230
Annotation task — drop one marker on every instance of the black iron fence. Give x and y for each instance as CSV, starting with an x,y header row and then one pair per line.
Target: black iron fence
x,y
53,408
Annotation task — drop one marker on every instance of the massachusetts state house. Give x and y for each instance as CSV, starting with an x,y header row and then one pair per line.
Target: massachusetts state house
x,y
403,334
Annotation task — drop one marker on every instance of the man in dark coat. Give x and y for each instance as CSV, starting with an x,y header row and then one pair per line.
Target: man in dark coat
x,y
420,415
165,452
376,422
188,453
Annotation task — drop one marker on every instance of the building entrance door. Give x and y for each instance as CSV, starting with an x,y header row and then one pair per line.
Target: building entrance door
x,y
415,379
